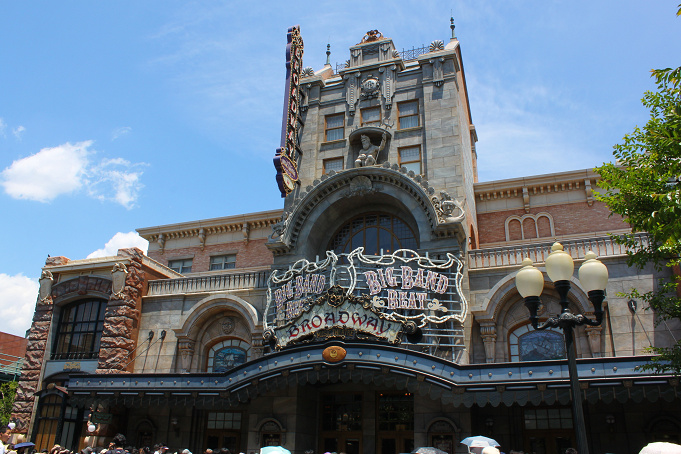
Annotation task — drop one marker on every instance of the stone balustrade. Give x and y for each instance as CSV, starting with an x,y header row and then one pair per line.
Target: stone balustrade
x,y
214,283
508,256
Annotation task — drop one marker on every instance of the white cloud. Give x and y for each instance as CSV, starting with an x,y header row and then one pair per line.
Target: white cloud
x,y
115,181
119,132
120,241
69,168
18,132
49,173
18,296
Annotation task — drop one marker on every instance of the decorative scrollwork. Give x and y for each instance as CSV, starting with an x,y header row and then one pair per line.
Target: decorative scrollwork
x,y
445,208
307,71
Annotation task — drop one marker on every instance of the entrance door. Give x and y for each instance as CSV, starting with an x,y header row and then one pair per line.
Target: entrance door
x,y
346,443
548,430
341,423
550,442
392,443
395,420
216,440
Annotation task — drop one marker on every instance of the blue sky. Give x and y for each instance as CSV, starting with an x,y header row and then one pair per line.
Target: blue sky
x,y
127,114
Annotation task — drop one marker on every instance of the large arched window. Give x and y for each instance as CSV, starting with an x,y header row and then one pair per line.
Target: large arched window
x,y
527,344
227,354
376,232
79,330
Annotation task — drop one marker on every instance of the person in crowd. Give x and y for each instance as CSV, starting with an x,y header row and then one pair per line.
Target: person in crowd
x,y
4,439
116,445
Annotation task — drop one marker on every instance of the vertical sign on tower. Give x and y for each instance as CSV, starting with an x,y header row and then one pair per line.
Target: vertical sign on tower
x,y
286,155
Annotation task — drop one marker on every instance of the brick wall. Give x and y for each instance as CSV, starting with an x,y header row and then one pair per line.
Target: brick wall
x,y
248,254
568,219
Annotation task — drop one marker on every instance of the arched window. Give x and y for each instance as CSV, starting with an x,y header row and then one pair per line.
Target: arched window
x,y
227,354
79,330
376,232
527,344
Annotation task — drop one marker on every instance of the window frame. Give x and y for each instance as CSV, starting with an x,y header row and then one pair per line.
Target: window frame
x,y
374,123
402,163
337,128
63,347
181,269
325,161
400,116
224,262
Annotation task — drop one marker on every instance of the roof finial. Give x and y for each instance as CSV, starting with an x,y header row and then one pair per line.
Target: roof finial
x,y
328,54
452,26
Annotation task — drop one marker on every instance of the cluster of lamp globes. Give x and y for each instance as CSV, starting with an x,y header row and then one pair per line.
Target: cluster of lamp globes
x,y
593,277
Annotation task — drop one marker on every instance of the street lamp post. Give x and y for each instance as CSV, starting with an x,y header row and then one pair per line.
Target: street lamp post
x,y
593,276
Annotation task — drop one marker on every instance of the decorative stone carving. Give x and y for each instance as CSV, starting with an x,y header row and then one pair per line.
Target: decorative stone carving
x,y
438,71
368,155
246,230
202,238
359,186
526,199
355,57
279,228
307,71
589,192
445,208
389,74
161,242
396,53
385,53
372,35
488,331
438,44
370,87
46,280
228,324
186,349
118,275
351,88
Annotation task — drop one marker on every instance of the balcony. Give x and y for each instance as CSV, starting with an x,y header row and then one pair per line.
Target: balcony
x,y
213,283
508,256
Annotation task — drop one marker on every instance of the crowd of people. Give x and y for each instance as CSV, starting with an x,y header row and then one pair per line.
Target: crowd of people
x,y
119,445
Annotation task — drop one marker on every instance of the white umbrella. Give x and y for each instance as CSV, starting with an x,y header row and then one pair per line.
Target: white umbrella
x,y
274,450
661,447
479,441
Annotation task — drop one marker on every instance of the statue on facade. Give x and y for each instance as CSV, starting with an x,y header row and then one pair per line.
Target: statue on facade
x,y
368,155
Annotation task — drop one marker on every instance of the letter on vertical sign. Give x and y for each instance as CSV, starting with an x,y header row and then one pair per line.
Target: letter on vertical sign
x,y
407,278
372,282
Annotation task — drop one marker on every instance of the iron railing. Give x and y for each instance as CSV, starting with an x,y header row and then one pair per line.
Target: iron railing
x,y
218,282
405,54
10,366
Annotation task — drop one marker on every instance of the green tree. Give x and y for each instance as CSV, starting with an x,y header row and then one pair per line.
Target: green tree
x,y
644,187
7,393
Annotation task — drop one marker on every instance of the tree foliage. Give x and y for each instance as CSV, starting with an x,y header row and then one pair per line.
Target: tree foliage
x,y
8,392
644,187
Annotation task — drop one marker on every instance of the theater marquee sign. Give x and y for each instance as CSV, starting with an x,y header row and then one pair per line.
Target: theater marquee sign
x,y
357,296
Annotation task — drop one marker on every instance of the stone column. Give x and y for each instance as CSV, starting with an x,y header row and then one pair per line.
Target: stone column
x,y
122,315
29,382
488,331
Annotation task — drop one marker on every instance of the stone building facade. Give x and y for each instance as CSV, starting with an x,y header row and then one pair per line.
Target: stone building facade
x,y
376,312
